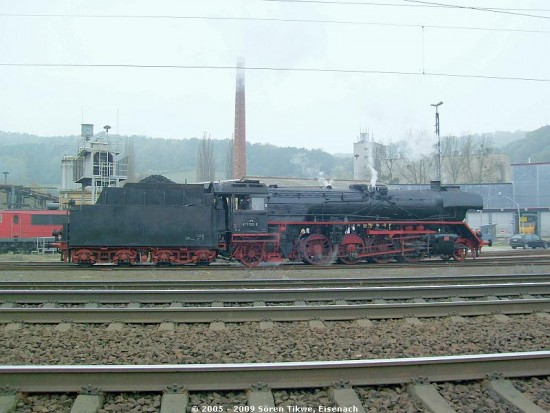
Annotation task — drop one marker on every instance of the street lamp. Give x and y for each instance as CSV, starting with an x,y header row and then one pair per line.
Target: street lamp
x,y
6,173
485,204
438,163
517,206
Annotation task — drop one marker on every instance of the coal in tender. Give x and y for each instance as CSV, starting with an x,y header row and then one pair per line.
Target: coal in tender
x,y
156,179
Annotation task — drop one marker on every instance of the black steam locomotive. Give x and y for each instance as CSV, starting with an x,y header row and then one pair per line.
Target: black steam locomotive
x,y
252,223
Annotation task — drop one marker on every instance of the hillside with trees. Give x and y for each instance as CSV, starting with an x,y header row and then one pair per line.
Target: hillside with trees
x,y
36,160
535,147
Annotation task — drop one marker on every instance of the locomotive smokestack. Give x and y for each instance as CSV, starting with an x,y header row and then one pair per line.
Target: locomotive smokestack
x,y
435,185
239,140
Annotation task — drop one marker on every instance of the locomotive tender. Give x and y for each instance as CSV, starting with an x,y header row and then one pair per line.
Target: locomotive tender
x,y
250,222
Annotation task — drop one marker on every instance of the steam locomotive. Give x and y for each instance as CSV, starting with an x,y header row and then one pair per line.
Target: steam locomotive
x,y
251,222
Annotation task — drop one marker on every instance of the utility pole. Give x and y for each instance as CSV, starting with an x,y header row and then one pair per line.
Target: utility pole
x,y
438,160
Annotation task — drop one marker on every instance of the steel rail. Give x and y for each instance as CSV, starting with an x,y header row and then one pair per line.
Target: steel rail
x,y
207,377
347,282
249,295
285,266
273,313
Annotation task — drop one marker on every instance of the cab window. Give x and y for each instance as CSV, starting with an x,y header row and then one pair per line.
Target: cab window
x,y
242,202
16,219
48,219
258,204
251,203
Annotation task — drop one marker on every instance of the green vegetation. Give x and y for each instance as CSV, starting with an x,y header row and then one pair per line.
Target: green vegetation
x,y
36,160
535,147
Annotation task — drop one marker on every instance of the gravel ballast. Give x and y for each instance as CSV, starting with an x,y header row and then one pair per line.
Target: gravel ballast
x,y
537,390
246,342
131,403
472,397
44,403
380,399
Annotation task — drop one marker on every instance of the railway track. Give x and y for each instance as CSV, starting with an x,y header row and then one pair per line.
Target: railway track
x,y
278,295
274,313
279,304
345,384
282,282
343,379
534,258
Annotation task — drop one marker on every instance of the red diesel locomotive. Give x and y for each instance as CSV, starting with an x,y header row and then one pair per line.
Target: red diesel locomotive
x,y
20,229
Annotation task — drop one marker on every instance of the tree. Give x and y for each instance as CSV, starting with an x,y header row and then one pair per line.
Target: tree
x,y
452,162
535,147
476,155
206,163
484,167
390,156
229,160
418,171
412,159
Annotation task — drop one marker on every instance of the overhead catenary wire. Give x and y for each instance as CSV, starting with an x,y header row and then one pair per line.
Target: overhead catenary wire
x,y
273,68
270,19
384,4
329,21
483,9
421,3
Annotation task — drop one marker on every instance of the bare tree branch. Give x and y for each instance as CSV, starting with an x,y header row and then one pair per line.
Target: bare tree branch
x,y
206,164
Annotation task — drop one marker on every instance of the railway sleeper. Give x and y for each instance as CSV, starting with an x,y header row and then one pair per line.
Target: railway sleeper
x,y
342,397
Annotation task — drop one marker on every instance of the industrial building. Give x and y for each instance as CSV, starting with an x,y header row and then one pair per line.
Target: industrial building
x,y
522,206
26,197
367,156
98,163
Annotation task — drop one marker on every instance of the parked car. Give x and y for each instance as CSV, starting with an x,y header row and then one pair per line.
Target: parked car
x,y
528,240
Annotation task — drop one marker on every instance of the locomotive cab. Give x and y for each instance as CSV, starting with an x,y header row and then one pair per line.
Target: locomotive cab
x,y
245,205
249,213
245,236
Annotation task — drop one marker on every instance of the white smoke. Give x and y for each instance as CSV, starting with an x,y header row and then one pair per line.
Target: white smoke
x,y
370,165
307,168
418,144
324,182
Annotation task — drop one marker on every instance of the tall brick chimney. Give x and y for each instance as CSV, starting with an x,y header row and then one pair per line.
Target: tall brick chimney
x,y
239,137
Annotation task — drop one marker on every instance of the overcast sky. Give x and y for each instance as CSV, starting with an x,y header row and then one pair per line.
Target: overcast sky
x,y
312,109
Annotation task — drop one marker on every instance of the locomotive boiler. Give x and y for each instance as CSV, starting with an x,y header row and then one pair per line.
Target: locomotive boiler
x,y
250,222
